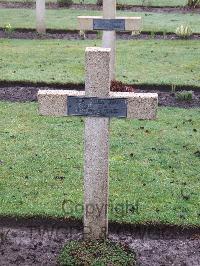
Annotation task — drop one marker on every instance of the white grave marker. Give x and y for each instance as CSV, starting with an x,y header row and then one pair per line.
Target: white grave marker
x,y
40,16
110,24
98,104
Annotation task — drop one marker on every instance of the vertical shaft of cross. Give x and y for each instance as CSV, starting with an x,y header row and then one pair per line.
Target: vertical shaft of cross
x,y
40,16
109,37
96,167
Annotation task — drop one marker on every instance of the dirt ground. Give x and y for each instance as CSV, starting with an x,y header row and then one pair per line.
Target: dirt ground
x,y
38,242
74,35
28,93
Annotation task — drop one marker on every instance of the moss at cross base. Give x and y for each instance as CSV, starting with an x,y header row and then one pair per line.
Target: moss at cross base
x,y
96,253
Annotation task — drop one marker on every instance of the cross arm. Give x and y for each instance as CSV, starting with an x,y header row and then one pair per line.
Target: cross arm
x,y
54,102
120,23
139,105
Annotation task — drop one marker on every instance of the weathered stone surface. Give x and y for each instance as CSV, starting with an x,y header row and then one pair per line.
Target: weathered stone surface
x,y
133,24
40,16
139,105
109,37
86,22
54,102
97,78
96,167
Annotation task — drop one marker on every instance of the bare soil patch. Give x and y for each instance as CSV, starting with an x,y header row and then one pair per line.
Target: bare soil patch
x,y
31,34
22,93
38,241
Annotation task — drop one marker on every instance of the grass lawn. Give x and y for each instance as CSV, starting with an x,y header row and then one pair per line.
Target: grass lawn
x,y
61,61
67,19
154,163
128,2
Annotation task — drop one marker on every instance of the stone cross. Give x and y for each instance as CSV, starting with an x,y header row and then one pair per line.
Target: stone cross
x,y
109,23
98,104
40,16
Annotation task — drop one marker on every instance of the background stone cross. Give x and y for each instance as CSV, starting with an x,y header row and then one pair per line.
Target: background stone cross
x,y
110,24
98,104
40,17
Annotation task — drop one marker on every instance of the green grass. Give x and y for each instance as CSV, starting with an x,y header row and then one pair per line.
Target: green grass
x,y
128,2
67,19
61,61
154,163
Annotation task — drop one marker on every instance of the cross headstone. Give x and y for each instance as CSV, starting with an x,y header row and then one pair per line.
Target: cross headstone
x,y
98,105
40,16
109,24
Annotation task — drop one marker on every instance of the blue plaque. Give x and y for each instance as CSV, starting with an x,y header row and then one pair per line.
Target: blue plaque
x,y
109,24
97,107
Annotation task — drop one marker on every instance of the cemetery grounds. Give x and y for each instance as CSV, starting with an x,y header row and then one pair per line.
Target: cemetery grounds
x,y
154,165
